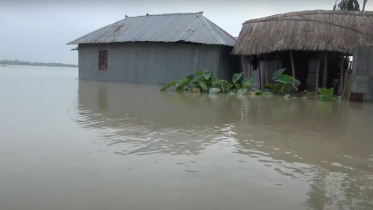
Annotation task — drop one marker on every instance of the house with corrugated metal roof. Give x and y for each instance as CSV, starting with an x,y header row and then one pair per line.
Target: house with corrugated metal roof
x,y
155,49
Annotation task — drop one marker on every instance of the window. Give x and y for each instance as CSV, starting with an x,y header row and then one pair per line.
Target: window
x,y
102,60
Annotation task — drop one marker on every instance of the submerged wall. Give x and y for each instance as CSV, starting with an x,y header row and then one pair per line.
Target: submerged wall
x,y
154,63
362,74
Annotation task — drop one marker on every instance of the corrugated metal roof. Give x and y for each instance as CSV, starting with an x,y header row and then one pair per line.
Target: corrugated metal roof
x,y
187,27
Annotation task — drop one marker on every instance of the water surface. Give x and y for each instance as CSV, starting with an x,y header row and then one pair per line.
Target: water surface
x,y
71,145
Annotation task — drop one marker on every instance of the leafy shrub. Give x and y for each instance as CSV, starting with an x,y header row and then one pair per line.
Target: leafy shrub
x,y
326,94
204,81
285,84
268,86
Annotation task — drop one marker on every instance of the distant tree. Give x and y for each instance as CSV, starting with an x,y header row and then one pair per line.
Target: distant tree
x,y
351,5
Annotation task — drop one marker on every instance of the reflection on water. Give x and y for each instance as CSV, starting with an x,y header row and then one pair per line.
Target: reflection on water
x,y
328,145
93,145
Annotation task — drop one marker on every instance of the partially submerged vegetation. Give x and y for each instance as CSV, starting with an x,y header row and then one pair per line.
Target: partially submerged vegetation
x,y
206,82
285,84
326,95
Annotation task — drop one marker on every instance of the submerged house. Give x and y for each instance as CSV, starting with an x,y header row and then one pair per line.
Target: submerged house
x,y
312,45
154,49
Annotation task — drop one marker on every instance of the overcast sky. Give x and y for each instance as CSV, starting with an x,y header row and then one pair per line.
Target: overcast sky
x,y
38,30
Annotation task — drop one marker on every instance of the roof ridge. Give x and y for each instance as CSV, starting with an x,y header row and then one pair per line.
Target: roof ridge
x,y
166,14
207,25
310,12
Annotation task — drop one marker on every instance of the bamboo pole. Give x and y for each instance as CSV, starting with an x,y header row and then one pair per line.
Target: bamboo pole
x,y
341,77
292,63
265,68
325,73
317,78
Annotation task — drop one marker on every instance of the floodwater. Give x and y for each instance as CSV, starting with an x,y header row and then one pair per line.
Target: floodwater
x,y
70,145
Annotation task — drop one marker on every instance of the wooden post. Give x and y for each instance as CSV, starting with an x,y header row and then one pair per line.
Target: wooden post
x,y
325,73
347,84
341,77
265,68
244,66
292,63
278,62
250,69
317,78
260,77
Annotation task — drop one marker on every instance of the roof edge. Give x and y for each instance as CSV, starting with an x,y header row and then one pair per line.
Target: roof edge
x,y
166,14
310,12
224,31
212,32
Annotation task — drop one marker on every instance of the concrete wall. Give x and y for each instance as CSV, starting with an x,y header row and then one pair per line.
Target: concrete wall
x,y
154,63
362,73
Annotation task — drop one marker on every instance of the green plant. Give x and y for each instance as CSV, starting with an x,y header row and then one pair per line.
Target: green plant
x,y
246,83
268,86
267,94
168,85
255,91
285,84
306,93
204,81
326,94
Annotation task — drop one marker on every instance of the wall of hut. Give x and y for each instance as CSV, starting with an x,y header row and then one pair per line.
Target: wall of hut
x,y
362,74
154,63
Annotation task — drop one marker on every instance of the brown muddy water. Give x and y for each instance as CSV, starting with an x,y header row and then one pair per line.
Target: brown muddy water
x,y
70,145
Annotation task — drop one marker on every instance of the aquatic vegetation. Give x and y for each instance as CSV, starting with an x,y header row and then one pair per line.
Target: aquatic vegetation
x,y
204,81
255,91
307,93
326,94
267,94
285,84
268,86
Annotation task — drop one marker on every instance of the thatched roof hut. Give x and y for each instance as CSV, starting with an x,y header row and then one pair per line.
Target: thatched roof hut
x,y
319,30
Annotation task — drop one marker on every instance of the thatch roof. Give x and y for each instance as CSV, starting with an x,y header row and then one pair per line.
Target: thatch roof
x,y
319,30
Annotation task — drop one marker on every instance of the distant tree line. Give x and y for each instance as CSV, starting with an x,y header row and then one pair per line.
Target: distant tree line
x,y
27,63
